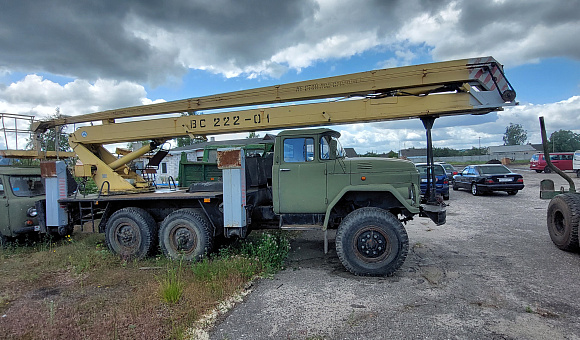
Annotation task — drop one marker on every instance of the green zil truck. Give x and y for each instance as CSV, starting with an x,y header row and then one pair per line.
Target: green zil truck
x,y
305,183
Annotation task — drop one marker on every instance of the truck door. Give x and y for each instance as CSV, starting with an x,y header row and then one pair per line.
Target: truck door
x,y
301,177
4,215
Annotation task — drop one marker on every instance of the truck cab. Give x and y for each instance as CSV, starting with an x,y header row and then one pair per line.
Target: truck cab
x,y
311,175
20,188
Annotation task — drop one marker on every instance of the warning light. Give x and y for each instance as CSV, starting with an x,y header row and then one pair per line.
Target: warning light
x,y
206,200
363,178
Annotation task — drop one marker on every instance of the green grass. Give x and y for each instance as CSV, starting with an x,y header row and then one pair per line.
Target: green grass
x,y
70,283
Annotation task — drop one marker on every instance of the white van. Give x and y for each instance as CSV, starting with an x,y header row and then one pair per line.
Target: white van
x,y
576,162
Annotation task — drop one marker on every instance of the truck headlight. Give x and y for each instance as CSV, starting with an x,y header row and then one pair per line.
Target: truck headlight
x,y
31,212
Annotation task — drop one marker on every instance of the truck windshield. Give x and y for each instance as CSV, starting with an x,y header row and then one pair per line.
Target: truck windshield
x,y
27,186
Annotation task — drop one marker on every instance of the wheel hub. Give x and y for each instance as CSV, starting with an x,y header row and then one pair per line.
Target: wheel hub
x,y
183,239
372,244
126,236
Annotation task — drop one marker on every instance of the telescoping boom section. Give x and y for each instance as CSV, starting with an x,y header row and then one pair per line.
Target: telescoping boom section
x,y
468,86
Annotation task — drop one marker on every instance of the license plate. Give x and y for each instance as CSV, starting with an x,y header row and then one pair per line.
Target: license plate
x,y
504,179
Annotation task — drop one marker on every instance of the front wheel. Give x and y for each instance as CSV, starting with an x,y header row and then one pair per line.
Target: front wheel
x,y
538,171
186,234
578,173
547,170
563,219
131,233
371,242
512,192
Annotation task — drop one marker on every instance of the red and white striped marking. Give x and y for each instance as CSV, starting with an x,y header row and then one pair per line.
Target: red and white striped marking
x,y
485,77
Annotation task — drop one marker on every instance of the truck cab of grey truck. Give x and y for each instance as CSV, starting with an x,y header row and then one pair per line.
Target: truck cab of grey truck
x,y
20,189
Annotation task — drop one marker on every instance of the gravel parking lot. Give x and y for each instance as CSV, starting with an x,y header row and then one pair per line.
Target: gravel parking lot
x,y
491,272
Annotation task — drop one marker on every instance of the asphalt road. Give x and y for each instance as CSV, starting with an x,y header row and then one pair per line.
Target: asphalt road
x,y
491,272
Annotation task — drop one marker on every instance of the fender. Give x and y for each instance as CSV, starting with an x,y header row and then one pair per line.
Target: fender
x,y
373,188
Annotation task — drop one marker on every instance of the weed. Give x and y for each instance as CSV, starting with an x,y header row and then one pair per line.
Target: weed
x,y
171,284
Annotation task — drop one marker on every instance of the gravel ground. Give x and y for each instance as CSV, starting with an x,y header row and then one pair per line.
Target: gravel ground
x,y
491,272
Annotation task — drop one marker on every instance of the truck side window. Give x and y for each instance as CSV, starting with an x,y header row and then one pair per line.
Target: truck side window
x,y
324,148
298,149
1,187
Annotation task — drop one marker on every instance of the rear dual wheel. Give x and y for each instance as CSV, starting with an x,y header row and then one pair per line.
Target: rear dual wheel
x,y
185,234
371,242
131,233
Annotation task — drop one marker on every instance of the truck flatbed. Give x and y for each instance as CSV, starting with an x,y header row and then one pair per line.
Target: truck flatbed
x,y
164,194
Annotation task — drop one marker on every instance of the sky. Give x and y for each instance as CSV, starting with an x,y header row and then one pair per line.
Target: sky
x,y
87,56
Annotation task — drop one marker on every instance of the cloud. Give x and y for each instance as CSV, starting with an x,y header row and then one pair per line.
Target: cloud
x,y
39,97
142,42
463,132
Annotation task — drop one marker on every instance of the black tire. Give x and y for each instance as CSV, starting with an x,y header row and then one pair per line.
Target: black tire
x,y
365,230
131,233
577,173
475,191
547,170
186,234
563,219
538,171
455,187
512,192
446,197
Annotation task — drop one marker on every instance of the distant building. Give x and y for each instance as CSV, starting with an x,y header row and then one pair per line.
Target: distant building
x,y
512,152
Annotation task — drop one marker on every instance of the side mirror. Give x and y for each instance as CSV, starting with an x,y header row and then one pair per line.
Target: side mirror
x,y
333,147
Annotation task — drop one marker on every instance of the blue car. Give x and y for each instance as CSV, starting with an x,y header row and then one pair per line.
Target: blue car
x,y
441,180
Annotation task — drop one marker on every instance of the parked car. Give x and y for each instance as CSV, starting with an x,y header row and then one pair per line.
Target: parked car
x,y
449,170
441,180
576,163
561,160
488,177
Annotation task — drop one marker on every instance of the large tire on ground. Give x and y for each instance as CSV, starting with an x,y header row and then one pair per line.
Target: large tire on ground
x,y
512,192
563,219
131,233
186,234
371,242
538,171
547,170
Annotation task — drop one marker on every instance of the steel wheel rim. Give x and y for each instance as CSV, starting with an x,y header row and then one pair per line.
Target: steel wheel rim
x,y
127,235
182,239
559,223
372,244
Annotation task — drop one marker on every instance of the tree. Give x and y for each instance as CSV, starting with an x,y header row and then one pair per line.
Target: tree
x,y
392,154
515,135
564,140
48,139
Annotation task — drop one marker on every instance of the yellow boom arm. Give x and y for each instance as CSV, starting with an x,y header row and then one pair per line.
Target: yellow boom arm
x,y
469,86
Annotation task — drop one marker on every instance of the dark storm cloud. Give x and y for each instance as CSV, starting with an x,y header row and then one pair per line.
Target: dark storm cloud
x,y
91,39
153,41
